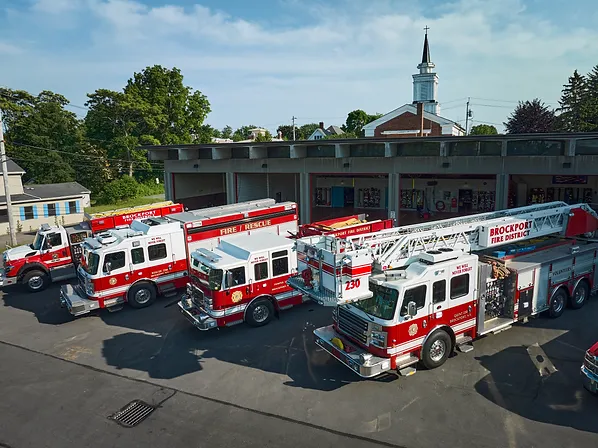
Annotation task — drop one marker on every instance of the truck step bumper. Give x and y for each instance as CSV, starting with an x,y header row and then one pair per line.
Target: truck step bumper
x,y
201,320
6,281
360,361
70,298
590,381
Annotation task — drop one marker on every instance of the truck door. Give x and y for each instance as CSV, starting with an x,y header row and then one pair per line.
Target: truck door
x,y
413,329
115,271
55,250
259,275
460,307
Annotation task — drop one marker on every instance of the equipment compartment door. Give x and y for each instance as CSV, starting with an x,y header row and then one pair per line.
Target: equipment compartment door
x,y
525,302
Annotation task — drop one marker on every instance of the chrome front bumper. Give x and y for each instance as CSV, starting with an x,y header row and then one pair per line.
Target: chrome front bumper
x,y
75,301
590,381
199,318
6,281
352,356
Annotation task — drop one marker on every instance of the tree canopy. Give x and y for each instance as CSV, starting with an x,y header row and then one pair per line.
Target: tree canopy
x,y
530,117
483,129
356,120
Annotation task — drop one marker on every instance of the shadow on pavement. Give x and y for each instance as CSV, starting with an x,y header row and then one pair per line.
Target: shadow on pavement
x,y
44,305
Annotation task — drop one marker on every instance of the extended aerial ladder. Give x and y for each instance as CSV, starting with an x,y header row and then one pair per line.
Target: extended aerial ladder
x,y
332,271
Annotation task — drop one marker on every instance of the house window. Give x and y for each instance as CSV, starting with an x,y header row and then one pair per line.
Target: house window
x,y
28,212
72,207
51,209
3,215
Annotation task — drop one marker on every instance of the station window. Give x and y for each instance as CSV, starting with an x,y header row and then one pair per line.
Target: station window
x,y
116,260
439,291
417,295
459,286
137,255
157,252
261,271
280,263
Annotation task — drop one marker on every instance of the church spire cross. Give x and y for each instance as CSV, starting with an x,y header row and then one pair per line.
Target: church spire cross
x,y
426,54
426,29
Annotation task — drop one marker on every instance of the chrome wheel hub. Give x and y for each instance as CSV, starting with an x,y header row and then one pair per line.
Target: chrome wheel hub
x,y
260,313
437,350
580,295
142,296
35,282
559,303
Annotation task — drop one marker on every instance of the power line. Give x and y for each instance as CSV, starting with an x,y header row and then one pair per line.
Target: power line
x,y
77,165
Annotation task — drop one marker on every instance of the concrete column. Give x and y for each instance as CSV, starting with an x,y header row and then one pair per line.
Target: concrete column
x,y
304,198
258,152
570,147
298,151
231,188
443,149
502,192
390,149
188,154
394,186
219,153
503,149
168,185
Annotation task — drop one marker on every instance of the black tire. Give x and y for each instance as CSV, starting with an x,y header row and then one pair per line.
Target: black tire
x,y
259,313
141,295
558,301
35,280
436,350
580,295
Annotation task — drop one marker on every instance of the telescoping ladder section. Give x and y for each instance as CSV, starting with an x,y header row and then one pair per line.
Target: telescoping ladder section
x,y
334,271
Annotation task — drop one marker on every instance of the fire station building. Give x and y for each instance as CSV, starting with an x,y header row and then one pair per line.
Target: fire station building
x,y
410,179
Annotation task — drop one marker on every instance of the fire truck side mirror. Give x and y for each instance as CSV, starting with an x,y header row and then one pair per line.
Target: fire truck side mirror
x,y
229,279
108,267
411,309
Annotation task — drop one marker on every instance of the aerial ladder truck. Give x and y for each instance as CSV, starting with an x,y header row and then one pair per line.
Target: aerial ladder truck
x,y
416,293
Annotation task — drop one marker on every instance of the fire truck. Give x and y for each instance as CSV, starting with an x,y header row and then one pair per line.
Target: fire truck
x,y
245,279
56,250
416,293
151,257
589,369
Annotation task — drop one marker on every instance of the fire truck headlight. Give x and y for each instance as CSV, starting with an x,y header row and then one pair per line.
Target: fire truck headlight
x,y
7,268
378,338
89,288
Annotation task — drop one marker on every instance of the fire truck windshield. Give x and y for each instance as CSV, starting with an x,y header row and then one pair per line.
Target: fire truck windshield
x,y
37,242
91,262
382,304
210,277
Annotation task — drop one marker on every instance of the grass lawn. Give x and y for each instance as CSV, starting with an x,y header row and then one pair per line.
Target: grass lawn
x,y
123,204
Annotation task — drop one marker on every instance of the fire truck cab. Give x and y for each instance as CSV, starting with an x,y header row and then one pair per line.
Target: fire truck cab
x,y
131,265
241,280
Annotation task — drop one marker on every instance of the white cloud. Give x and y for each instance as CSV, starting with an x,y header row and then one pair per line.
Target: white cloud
x,y
9,49
358,56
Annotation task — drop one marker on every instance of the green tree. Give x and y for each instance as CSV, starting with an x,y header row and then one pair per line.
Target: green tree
x,y
242,133
343,135
591,103
41,135
574,105
530,117
357,119
306,130
227,132
287,132
483,129
265,137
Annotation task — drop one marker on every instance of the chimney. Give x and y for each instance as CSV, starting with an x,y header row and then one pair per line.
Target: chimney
x,y
280,135
420,116
322,125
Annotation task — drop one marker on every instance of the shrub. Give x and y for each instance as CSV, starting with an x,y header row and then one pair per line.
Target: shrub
x,y
118,190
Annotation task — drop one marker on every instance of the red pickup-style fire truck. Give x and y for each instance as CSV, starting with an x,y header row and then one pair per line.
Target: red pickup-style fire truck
x,y
152,256
589,369
416,293
56,250
244,279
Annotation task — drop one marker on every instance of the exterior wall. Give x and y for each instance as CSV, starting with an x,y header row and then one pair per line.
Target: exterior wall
x,y
41,214
407,121
14,183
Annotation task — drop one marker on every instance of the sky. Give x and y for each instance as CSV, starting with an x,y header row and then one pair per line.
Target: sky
x,y
261,62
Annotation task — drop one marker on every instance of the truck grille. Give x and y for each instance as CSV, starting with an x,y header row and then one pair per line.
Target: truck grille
x,y
352,325
591,363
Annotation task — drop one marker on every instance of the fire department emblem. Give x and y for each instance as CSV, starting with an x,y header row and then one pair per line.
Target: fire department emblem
x,y
237,296
54,257
112,281
412,329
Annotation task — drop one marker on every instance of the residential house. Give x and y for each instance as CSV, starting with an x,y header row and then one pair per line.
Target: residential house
x,y
321,133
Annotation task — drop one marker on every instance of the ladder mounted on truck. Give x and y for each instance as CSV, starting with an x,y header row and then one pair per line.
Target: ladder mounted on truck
x,y
334,271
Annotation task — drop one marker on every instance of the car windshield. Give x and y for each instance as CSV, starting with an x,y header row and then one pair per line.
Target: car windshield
x,y
37,242
382,304
209,277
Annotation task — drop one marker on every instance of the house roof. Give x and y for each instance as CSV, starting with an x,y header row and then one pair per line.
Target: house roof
x,y
13,168
42,192
404,109
334,130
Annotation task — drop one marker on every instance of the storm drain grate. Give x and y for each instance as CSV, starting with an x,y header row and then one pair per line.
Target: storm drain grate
x,y
133,413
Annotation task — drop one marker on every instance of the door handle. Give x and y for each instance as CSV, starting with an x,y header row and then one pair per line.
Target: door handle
x,y
438,307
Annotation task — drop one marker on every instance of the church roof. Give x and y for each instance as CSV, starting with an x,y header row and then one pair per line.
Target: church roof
x,y
412,109
426,54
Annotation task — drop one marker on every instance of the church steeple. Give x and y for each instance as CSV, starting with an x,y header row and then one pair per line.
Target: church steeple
x,y
425,83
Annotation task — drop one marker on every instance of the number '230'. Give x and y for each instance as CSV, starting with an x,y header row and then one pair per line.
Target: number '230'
x,y
351,284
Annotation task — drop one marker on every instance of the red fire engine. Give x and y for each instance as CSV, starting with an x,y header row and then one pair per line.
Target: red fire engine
x,y
438,286
244,279
56,250
151,257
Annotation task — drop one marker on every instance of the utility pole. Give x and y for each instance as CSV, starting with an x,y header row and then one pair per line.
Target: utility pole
x,y
11,217
294,118
467,115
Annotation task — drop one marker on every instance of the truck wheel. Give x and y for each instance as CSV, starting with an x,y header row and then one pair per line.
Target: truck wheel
x,y
259,313
36,281
141,295
557,303
580,295
436,350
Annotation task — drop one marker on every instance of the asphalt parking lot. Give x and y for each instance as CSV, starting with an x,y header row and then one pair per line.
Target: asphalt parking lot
x,y
272,386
